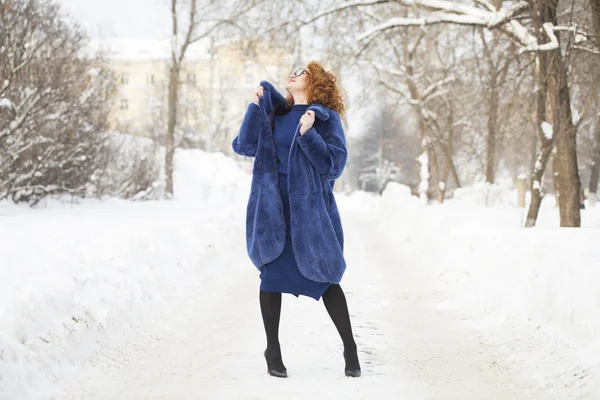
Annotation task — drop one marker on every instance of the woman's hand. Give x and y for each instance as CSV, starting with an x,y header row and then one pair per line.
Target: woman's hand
x,y
307,121
258,92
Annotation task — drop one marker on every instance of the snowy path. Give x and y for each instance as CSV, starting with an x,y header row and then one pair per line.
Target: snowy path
x,y
410,347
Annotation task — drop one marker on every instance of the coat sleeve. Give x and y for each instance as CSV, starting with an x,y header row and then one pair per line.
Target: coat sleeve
x,y
326,150
246,142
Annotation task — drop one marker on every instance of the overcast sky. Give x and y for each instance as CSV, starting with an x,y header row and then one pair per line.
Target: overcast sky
x,y
121,18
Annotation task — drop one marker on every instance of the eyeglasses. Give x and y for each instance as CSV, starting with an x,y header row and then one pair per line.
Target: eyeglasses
x,y
299,72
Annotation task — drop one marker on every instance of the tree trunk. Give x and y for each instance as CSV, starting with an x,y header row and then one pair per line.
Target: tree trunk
x,y
533,151
437,174
546,143
444,184
447,150
564,131
595,175
536,187
566,149
555,182
492,125
493,104
170,140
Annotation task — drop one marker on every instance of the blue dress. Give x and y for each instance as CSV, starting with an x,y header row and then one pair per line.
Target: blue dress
x,y
282,274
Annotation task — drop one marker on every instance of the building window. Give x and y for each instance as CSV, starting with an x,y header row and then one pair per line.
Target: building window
x,y
191,79
124,104
124,78
150,79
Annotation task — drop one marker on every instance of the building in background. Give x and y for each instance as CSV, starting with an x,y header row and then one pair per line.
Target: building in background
x,y
215,90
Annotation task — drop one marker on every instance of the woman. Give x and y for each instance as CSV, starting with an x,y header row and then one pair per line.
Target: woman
x,y
293,229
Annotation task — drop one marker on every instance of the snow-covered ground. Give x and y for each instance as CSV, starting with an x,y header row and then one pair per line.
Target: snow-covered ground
x,y
157,300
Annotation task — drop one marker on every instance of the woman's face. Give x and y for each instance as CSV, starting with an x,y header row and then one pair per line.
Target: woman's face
x,y
298,81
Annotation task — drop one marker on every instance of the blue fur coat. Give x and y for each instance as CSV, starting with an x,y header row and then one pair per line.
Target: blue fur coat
x,y
316,159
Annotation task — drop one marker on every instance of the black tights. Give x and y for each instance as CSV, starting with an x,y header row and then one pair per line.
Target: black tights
x,y
335,303
270,308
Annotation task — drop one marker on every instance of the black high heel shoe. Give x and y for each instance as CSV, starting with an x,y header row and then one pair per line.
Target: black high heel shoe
x,y
275,365
352,368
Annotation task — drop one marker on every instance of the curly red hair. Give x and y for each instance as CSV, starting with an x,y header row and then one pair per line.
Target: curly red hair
x,y
322,88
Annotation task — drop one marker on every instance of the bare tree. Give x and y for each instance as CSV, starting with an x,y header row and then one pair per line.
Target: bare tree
x,y
546,136
191,22
494,70
422,76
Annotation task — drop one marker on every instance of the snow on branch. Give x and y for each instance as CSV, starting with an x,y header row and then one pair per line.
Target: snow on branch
x,y
447,6
431,19
452,12
518,32
6,103
505,15
551,45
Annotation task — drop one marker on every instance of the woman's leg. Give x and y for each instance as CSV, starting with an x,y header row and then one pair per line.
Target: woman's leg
x,y
337,307
270,308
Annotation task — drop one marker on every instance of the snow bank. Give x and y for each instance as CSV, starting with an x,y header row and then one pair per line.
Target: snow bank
x,y
214,177
399,198
75,279
542,281
359,201
486,194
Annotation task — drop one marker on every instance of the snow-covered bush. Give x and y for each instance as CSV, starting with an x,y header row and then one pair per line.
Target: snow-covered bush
x,y
131,167
489,195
